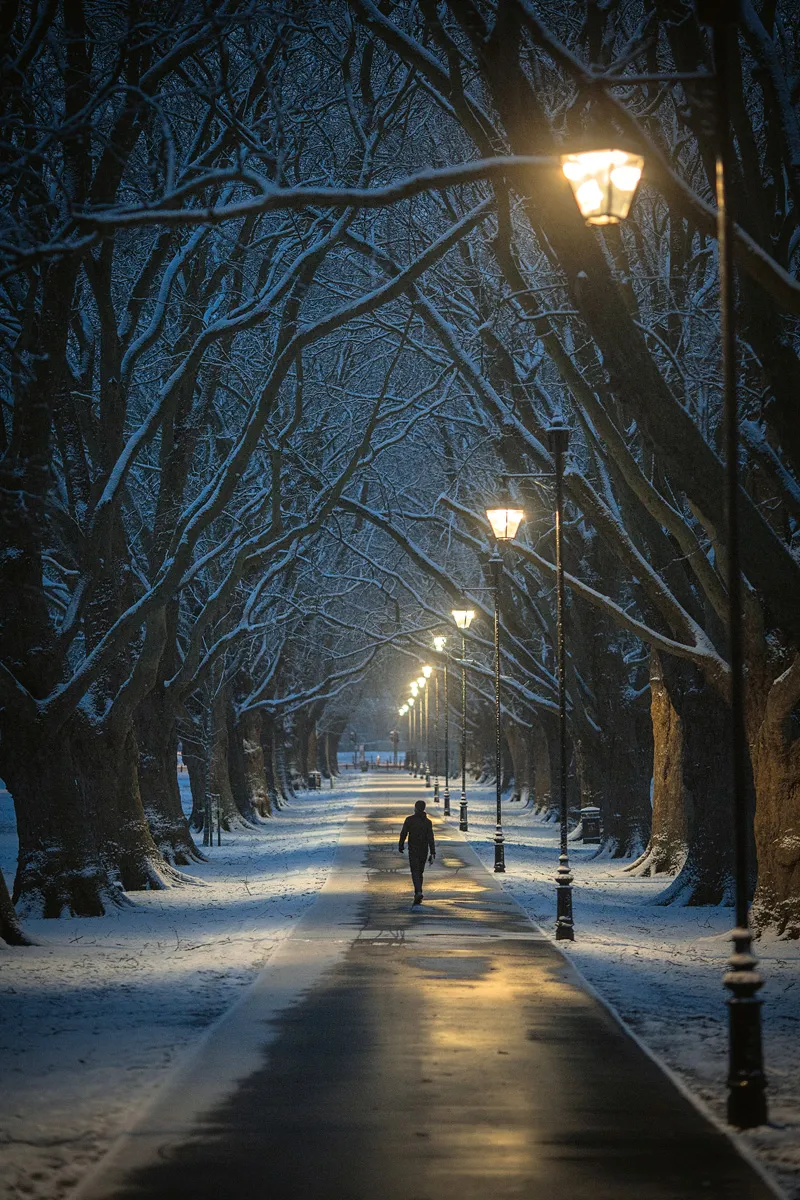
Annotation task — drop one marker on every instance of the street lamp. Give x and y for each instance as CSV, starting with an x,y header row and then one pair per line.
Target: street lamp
x,y
427,672
439,643
505,521
565,929
603,183
463,618
747,1106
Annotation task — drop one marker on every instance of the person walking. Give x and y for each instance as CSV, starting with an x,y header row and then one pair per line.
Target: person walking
x,y
418,828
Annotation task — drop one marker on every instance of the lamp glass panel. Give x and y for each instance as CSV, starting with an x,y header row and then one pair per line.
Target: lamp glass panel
x,y
463,617
410,701
427,671
505,522
603,183
421,682
439,644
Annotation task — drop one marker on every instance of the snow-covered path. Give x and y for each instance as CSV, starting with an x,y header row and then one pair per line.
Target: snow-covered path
x,y
443,1051
91,1020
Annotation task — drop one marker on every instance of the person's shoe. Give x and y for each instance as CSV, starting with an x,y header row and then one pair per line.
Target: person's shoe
x,y
418,898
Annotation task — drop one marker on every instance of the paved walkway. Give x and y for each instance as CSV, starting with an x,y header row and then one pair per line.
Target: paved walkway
x,y
441,1053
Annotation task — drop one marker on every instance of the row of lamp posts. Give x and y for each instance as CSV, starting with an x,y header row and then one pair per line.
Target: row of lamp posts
x,y
604,182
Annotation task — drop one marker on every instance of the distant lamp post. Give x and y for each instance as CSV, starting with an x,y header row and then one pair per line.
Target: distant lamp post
x,y
439,644
410,702
505,520
422,724
603,183
427,672
565,931
463,618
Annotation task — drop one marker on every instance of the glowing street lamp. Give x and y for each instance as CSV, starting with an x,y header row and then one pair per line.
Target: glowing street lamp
x,y
603,183
463,618
505,520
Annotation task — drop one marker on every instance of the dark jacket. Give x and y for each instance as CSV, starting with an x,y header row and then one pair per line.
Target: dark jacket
x,y
419,831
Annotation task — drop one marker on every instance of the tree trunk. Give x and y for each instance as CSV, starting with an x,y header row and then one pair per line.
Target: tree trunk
x,y
284,789
542,769
251,792
83,836
158,780
311,750
519,745
776,771
706,876
268,756
669,840
58,868
11,931
220,790
196,762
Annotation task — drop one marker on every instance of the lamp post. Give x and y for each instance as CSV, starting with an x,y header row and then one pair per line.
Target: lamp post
x,y
401,712
565,929
410,731
439,644
747,1106
414,689
423,724
427,672
463,618
504,520
446,796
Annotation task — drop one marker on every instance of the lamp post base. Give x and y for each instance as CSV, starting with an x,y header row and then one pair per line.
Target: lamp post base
x,y
463,821
446,801
499,852
747,1103
565,930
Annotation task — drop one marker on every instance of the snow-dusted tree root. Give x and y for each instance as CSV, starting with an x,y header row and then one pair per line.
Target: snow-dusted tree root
x,y
11,931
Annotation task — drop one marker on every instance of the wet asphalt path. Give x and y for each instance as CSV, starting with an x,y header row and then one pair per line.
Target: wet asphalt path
x,y
447,1053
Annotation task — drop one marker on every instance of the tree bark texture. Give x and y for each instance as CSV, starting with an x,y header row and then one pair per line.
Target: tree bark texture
x,y
157,738
706,876
669,841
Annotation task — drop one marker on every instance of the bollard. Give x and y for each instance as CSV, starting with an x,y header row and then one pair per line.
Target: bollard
x,y
463,824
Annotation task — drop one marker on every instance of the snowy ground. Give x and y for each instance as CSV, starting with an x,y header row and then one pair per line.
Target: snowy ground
x,y
661,969
91,1019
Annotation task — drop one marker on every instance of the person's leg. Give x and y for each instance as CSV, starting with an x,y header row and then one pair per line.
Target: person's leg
x,y
416,872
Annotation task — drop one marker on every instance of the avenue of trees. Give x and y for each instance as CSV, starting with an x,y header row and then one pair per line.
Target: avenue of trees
x,y
268,351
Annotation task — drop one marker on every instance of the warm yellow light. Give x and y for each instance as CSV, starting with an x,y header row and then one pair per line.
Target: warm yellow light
x,y
505,522
439,644
414,688
421,682
427,672
401,712
410,702
603,182
463,617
